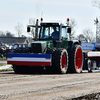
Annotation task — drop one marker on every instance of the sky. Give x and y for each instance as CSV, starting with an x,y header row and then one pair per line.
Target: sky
x,y
13,12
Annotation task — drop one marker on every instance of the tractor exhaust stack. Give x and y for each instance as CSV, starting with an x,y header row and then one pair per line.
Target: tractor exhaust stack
x,y
36,31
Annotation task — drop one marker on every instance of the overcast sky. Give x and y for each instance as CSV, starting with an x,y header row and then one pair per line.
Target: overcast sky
x,y
15,11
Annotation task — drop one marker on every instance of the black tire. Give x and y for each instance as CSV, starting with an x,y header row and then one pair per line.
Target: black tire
x,y
89,65
76,60
30,69
17,69
48,68
60,61
22,69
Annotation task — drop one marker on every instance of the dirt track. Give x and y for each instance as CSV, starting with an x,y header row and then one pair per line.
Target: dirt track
x,y
46,86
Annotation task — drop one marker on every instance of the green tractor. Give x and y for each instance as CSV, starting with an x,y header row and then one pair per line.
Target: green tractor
x,y
51,50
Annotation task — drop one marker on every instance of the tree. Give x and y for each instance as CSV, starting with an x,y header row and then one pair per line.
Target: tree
x,y
2,34
87,36
6,34
96,3
9,34
19,29
73,25
82,38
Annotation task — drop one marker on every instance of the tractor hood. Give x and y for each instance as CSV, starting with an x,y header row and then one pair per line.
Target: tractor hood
x,y
40,46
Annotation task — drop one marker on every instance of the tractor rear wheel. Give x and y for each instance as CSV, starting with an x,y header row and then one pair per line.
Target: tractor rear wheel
x,y
60,61
76,60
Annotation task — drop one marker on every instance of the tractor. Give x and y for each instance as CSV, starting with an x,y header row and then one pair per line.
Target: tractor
x,y
52,50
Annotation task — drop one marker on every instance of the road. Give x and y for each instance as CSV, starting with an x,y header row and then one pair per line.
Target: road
x,y
47,86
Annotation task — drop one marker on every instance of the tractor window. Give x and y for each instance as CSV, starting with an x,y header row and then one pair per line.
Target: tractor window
x,y
55,33
65,35
45,32
49,32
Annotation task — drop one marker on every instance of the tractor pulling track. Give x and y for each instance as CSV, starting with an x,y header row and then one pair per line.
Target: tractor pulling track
x,y
47,86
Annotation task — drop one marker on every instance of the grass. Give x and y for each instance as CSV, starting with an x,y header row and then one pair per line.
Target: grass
x,y
4,58
2,65
9,69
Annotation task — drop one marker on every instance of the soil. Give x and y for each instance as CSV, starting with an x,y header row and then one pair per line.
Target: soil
x,y
49,86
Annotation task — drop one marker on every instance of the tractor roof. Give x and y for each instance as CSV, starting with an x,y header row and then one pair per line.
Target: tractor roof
x,y
50,24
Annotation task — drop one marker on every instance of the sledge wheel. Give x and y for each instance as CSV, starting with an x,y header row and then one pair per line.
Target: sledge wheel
x,y
76,60
89,65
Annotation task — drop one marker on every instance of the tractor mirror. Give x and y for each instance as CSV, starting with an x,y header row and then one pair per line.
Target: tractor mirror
x,y
28,29
69,30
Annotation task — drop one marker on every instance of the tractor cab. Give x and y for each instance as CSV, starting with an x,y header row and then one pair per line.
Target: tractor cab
x,y
54,31
51,31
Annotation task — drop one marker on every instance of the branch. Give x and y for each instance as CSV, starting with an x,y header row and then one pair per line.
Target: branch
x,y
96,3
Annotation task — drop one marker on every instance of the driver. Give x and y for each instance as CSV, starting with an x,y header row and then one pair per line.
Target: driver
x,y
55,34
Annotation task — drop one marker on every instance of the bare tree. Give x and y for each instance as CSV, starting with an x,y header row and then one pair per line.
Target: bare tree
x,y
82,38
88,35
96,3
73,25
19,29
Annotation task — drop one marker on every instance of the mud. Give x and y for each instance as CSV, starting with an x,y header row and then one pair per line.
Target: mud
x,y
94,96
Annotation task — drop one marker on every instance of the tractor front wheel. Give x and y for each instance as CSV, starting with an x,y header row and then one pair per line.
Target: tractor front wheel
x,y
60,61
17,69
